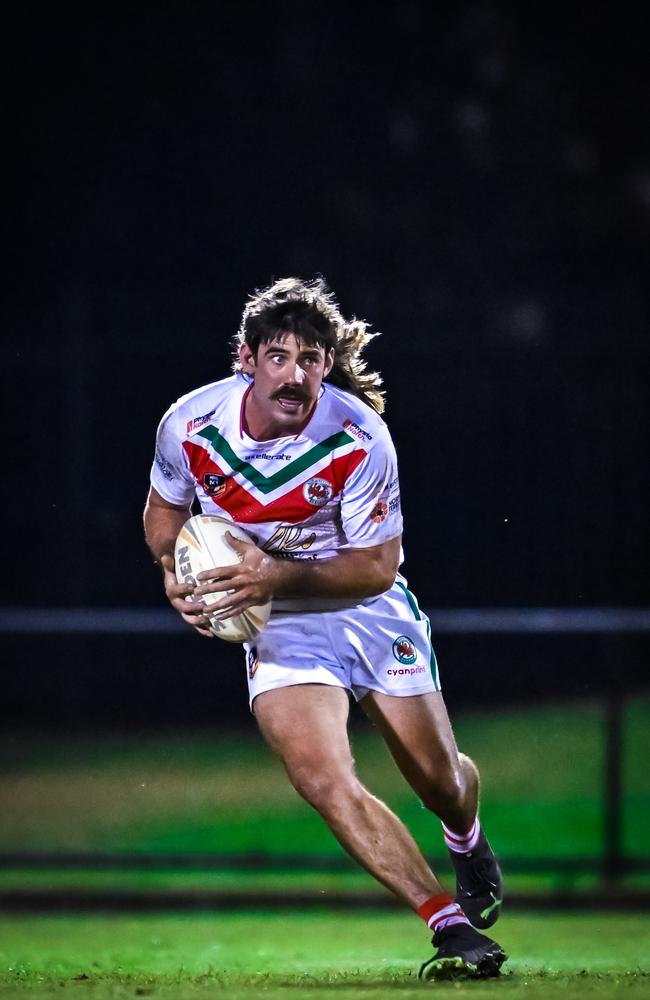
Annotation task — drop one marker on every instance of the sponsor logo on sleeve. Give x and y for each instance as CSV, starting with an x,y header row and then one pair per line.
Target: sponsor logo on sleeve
x,y
164,466
198,422
214,484
394,504
404,650
379,512
357,431
317,491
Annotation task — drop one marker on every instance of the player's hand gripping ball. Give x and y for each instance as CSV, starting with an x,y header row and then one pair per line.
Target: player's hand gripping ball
x,y
201,545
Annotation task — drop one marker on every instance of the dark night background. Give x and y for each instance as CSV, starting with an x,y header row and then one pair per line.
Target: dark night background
x,y
472,178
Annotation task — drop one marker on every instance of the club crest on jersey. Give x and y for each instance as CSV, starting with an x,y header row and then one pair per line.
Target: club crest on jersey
x,y
379,512
317,491
404,650
214,484
253,662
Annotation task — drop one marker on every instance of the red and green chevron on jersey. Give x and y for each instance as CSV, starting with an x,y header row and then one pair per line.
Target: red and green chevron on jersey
x,y
267,484
249,502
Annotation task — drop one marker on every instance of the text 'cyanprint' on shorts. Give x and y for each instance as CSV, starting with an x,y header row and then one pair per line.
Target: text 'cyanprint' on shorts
x,y
383,644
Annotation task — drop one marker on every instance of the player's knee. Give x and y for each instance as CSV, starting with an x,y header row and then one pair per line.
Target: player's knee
x,y
321,789
443,791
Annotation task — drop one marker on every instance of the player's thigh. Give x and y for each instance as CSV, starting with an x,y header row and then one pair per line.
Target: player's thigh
x,y
419,736
306,725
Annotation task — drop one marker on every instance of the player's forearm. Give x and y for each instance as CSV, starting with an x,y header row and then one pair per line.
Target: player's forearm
x,y
357,573
161,526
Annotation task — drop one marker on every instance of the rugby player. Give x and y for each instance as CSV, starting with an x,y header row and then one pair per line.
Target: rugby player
x,y
293,448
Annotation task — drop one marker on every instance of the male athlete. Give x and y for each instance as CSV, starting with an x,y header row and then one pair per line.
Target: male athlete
x,y
292,448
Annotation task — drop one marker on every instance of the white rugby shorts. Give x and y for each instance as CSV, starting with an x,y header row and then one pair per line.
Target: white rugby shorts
x,y
381,645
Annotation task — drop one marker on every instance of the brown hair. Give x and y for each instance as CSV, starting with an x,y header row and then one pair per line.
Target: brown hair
x,y
309,310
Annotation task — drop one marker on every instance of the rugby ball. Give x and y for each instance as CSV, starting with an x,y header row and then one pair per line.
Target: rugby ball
x,y
201,545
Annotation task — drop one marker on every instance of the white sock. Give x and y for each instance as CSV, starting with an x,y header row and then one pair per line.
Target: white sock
x,y
462,843
441,911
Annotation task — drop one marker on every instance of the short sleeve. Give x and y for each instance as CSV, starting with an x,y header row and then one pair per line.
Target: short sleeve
x,y
170,475
370,502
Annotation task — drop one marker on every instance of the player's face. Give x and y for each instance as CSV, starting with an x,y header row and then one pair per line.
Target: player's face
x,y
287,379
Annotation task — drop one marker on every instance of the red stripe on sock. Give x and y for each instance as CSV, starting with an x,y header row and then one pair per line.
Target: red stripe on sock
x,y
455,839
454,835
432,905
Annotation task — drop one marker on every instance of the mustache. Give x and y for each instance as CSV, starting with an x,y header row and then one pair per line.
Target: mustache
x,y
289,392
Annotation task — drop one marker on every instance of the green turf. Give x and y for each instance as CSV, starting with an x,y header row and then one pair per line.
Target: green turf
x,y
305,955
542,789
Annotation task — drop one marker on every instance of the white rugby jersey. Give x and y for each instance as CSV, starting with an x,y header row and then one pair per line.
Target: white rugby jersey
x,y
332,486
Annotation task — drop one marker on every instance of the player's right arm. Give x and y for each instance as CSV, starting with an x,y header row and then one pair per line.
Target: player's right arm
x,y
162,522
168,506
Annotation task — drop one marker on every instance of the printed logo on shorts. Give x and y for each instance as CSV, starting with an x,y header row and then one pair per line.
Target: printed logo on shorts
x,y
214,484
404,650
252,662
379,512
317,491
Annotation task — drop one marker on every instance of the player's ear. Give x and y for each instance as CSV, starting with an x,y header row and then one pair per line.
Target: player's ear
x,y
329,362
247,359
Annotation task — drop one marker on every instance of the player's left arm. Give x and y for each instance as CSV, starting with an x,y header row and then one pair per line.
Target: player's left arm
x,y
354,573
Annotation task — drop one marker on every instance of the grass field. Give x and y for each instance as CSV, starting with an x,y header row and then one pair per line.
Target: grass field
x,y
225,792
304,956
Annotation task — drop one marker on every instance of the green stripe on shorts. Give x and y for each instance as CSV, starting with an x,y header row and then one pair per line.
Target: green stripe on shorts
x,y
417,614
413,604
